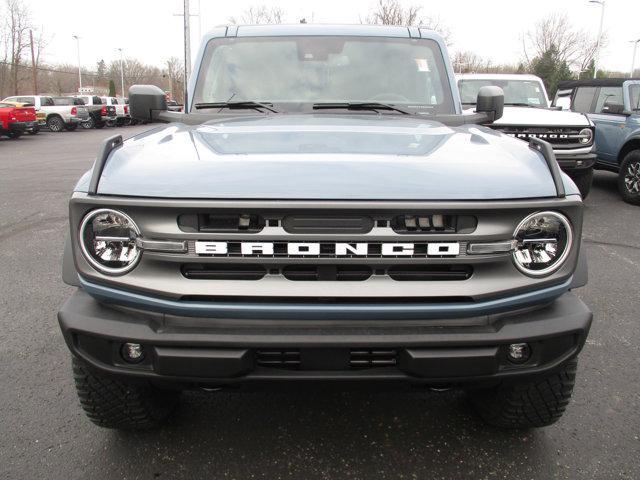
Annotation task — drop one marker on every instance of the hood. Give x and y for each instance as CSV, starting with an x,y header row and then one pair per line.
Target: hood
x,y
544,117
325,156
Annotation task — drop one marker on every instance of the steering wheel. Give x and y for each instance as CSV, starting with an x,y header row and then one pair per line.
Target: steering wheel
x,y
389,97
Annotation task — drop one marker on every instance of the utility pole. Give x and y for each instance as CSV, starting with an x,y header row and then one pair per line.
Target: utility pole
x,y
633,58
187,49
597,53
33,65
79,69
121,73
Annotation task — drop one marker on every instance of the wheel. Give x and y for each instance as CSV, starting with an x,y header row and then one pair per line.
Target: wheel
x,y
88,124
111,123
583,180
55,124
629,178
71,126
35,130
536,403
111,403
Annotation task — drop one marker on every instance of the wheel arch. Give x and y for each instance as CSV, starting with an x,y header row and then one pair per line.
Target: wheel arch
x,y
630,144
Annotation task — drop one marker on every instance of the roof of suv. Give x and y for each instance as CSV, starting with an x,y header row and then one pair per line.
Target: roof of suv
x,y
595,82
499,76
319,29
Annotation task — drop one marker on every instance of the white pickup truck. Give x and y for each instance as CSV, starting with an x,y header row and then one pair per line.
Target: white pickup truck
x,y
527,114
57,117
122,110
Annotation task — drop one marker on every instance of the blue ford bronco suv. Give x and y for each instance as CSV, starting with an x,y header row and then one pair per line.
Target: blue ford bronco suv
x,y
613,104
323,214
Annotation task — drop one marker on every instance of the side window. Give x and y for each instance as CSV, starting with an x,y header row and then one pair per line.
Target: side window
x,y
97,101
114,101
46,101
634,97
583,99
608,96
26,100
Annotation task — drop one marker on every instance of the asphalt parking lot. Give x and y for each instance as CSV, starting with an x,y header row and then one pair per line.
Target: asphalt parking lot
x,y
44,434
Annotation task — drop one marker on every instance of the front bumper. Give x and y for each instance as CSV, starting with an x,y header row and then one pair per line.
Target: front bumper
x,y
189,352
572,160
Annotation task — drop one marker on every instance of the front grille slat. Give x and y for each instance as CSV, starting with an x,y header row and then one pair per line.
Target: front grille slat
x,y
372,358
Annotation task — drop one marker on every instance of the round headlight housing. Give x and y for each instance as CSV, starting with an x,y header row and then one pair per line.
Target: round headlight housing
x,y
586,136
108,241
543,242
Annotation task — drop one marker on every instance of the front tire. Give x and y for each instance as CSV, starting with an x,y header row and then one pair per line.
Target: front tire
x,y
88,124
55,124
583,180
629,178
536,403
112,403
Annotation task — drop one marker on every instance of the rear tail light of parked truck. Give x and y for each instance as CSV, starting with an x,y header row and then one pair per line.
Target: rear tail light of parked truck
x,y
74,111
103,112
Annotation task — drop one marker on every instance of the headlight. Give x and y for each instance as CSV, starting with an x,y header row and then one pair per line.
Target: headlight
x,y
586,136
108,241
543,241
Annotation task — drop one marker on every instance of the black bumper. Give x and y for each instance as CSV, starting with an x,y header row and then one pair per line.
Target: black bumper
x,y
18,127
572,163
189,352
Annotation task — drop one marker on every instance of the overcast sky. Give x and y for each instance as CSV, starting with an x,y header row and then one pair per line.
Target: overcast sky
x,y
148,29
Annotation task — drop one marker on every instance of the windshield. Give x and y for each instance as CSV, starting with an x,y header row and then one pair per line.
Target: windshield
x,y
516,92
307,70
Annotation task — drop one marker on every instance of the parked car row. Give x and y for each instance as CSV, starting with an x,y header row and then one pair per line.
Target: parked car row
x,y
29,113
591,124
613,104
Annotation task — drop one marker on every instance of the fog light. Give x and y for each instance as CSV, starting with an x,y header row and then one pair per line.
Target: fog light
x,y
519,352
132,352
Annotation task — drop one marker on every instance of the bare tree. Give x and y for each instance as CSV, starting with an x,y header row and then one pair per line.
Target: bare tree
x,y
469,62
575,47
18,23
175,72
260,14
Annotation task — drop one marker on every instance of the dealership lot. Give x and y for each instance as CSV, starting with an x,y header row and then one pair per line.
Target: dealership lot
x,y
307,435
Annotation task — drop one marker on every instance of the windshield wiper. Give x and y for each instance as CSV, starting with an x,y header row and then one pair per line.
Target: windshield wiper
x,y
240,105
362,106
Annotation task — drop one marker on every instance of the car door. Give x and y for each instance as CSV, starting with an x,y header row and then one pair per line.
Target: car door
x,y
610,123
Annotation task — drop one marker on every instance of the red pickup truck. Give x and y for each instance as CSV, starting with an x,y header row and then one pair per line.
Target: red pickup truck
x,y
14,120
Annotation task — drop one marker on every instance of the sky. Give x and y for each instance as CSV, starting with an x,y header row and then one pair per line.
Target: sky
x,y
150,31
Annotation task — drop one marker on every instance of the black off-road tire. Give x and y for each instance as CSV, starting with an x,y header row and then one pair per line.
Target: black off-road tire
x,y
88,124
583,180
111,403
629,178
537,403
55,124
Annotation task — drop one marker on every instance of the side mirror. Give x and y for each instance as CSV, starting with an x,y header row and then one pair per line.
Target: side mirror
x,y
491,102
146,101
613,108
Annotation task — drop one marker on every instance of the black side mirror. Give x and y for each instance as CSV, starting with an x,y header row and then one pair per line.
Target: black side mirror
x,y
491,102
146,101
613,108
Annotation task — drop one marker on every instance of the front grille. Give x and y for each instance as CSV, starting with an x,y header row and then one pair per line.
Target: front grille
x,y
198,271
559,137
364,358
274,358
327,224
314,273
427,273
327,272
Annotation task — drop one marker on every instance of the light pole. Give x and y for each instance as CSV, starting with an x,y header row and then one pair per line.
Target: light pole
x,y
121,73
79,70
633,58
597,53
